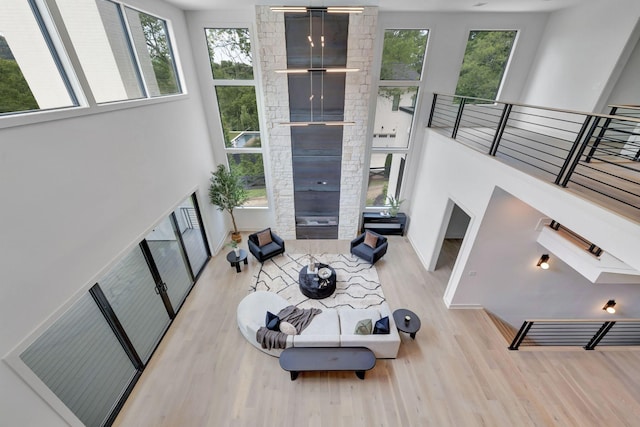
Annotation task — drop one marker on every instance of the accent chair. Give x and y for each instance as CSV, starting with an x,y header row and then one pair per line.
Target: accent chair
x,y
265,244
370,246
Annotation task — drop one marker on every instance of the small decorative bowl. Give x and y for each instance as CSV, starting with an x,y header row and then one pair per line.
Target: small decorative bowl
x,y
324,273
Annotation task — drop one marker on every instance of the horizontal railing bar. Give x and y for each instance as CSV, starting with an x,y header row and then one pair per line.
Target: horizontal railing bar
x,y
609,185
559,110
532,148
511,119
502,147
530,164
627,106
606,195
582,320
602,182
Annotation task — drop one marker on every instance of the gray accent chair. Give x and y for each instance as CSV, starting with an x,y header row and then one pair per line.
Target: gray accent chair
x,y
263,253
367,253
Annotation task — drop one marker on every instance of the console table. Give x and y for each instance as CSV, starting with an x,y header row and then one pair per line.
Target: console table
x,y
384,224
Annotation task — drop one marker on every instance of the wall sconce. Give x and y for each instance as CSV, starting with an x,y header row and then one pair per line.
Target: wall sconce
x,y
609,307
543,263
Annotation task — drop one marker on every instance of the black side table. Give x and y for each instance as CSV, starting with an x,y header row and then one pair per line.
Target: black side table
x,y
236,260
411,326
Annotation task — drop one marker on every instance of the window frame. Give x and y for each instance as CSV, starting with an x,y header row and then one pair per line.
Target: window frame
x,y
226,151
507,65
54,25
379,83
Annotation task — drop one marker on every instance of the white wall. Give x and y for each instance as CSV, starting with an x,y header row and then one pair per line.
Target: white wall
x,y
507,282
627,89
77,193
579,54
441,183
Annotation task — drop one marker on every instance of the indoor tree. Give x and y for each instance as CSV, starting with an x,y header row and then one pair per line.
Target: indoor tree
x,y
227,192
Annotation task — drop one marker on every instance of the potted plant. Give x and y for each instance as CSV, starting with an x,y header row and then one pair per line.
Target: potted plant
x,y
394,205
234,245
227,193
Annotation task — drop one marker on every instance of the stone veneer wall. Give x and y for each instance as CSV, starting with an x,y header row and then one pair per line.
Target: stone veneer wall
x,y
273,56
362,31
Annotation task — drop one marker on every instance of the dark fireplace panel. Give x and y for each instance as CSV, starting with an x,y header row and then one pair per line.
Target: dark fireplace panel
x,y
316,96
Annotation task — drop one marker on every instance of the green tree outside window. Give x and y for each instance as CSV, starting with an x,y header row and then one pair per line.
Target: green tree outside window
x,y
484,64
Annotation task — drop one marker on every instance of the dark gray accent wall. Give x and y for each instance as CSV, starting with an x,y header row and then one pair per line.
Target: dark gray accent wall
x,y
316,96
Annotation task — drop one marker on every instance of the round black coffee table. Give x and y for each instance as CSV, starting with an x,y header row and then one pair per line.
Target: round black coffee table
x,y
313,286
410,326
235,260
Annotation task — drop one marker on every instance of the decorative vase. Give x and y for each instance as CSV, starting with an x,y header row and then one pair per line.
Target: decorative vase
x,y
393,211
237,251
236,237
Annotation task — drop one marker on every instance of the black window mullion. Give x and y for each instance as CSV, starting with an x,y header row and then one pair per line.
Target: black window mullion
x,y
116,326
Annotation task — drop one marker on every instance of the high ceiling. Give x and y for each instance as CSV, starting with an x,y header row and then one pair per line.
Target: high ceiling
x,y
394,5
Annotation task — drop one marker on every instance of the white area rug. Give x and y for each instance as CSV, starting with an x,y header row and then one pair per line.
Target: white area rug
x,y
357,282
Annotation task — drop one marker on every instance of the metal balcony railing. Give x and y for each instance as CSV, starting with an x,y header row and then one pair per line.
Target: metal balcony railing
x,y
595,155
584,333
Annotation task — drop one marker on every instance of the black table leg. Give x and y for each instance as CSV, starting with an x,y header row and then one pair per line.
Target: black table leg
x,y
294,375
246,261
413,336
238,267
360,374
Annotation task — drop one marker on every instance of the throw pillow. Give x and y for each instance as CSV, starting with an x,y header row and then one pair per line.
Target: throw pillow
x,y
382,326
287,328
264,237
370,240
272,321
363,327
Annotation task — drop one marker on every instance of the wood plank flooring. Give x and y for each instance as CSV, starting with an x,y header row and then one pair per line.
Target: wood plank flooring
x,y
458,371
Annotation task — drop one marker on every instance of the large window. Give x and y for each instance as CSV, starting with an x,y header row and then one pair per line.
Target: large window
x,y
233,77
125,54
484,64
31,75
398,90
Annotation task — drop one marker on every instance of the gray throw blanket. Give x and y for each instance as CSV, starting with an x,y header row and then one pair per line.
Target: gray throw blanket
x,y
298,317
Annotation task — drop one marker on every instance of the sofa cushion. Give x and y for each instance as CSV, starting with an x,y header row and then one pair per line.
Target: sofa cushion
x,y
264,237
325,323
382,326
272,321
350,317
287,328
363,327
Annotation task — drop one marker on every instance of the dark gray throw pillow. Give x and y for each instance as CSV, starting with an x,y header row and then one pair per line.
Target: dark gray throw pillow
x,y
382,326
272,321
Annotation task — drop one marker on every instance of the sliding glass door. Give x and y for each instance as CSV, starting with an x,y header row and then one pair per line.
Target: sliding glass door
x,y
170,260
192,234
93,354
134,297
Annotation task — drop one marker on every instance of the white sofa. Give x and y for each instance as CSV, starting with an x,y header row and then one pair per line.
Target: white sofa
x,y
331,328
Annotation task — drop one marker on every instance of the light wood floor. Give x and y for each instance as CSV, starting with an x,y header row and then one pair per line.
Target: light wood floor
x,y
458,371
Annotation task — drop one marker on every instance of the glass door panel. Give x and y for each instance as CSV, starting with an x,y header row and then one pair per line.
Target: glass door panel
x,y
192,235
131,291
170,261
81,361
